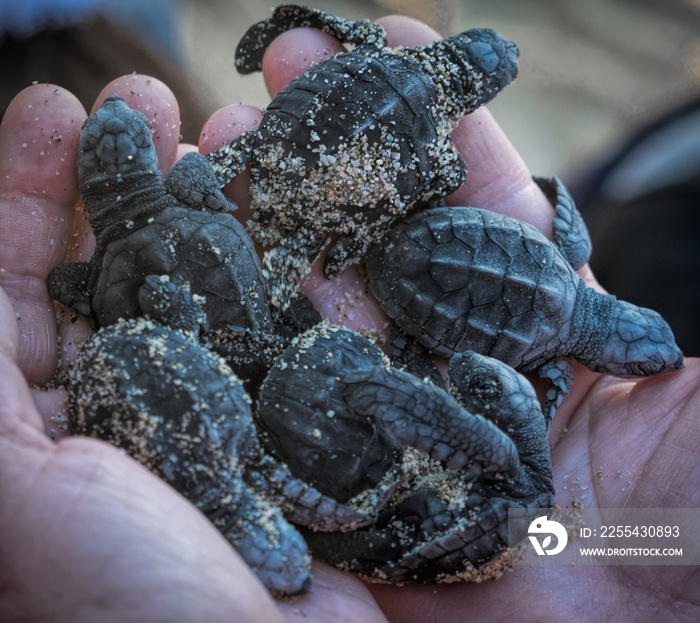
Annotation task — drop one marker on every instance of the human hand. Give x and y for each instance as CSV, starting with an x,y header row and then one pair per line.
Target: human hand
x,y
100,531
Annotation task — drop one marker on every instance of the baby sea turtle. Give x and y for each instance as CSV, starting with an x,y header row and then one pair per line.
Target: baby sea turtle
x,y
149,387
144,226
462,278
358,139
437,475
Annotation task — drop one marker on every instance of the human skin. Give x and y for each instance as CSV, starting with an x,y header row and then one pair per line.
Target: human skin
x,y
87,534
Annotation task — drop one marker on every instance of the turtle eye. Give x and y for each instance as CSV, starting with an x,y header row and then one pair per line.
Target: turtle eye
x,y
486,389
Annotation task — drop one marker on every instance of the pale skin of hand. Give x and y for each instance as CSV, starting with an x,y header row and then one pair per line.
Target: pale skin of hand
x,y
89,535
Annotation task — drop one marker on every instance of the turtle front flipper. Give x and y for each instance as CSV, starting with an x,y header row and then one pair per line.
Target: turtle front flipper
x,y
232,158
72,284
414,518
409,355
285,265
192,181
345,250
425,417
570,231
251,48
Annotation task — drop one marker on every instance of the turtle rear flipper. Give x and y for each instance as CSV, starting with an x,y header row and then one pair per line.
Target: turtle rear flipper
x,y
252,46
171,303
270,546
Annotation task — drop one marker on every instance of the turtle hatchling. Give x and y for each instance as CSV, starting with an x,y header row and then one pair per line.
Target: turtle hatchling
x,y
463,278
436,473
357,140
148,386
144,226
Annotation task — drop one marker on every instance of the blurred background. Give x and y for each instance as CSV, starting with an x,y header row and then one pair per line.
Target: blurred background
x,y
607,98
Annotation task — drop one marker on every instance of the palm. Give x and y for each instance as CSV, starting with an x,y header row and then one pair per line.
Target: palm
x,y
88,531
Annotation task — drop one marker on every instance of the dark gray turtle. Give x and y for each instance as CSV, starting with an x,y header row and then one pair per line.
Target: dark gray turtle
x,y
358,139
149,387
144,226
461,278
438,476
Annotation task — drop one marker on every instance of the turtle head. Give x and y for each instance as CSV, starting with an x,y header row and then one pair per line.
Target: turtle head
x,y
490,388
115,141
639,343
490,63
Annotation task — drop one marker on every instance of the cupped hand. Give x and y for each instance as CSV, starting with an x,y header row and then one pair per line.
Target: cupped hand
x,y
88,535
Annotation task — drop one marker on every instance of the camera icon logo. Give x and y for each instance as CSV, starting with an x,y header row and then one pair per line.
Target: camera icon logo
x,y
549,527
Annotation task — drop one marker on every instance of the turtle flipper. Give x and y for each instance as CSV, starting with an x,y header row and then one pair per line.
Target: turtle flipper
x,y
171,304
284,266
346,249
302,503
358,551
560,374
256,40
72,284
485,385
249,354
425,417
474,537
271,547
232,158
570,231
409,355
192,181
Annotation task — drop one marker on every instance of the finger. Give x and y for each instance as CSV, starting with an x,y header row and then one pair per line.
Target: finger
x,y
9,331
38,189
16,409
345,300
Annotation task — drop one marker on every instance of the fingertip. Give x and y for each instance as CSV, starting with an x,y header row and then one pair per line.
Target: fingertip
x,y
407,31
293,52
157,102
39,137
226,124
346,300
